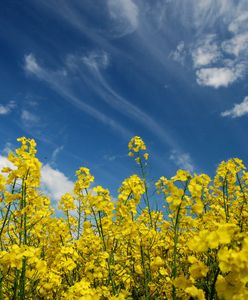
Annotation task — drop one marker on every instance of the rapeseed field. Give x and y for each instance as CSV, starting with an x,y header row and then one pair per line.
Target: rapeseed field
x,y
195,246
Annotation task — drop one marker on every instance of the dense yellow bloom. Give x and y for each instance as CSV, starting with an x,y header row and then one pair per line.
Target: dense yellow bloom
x,y
197,269
193,246
81,290
67,202
196,293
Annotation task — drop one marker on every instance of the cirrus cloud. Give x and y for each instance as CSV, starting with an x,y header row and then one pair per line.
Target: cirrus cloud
x,y
6,109
125,14
182,160
239,109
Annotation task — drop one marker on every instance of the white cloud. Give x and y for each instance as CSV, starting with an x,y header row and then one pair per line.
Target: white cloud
x,y
31,64
152,22
238,110
182,160
125,13
207,19
179,54
240,23
205,52
6,109
54,183
7,148
229,70
28,117
4,162
201,57
236,45
218,77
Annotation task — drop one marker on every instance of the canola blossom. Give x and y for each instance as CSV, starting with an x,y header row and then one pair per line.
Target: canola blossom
x,y
194,246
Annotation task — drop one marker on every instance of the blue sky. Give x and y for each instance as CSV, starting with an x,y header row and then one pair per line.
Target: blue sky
x,y
83,77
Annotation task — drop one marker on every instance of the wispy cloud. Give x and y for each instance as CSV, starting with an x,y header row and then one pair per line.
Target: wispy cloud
x,y
56,153
60,82
8,147
125,15
203,15
239,24
237,45
238,110
93,75
138,18
96,79
29,118
206,51
31,65
179,54
52,161
96,59
123,106
113,157
182,160
149,22
7,108
72,13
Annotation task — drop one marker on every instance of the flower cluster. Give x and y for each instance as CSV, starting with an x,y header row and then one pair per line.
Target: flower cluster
x,y
193,246
136,146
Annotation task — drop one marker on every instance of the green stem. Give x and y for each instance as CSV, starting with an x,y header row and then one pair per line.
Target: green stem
x,y
7,213
212,293
146,197
175,240
1,286
68,222
243,202
79,219
23,279
100,232
225,198
15,287
23,241
145,273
